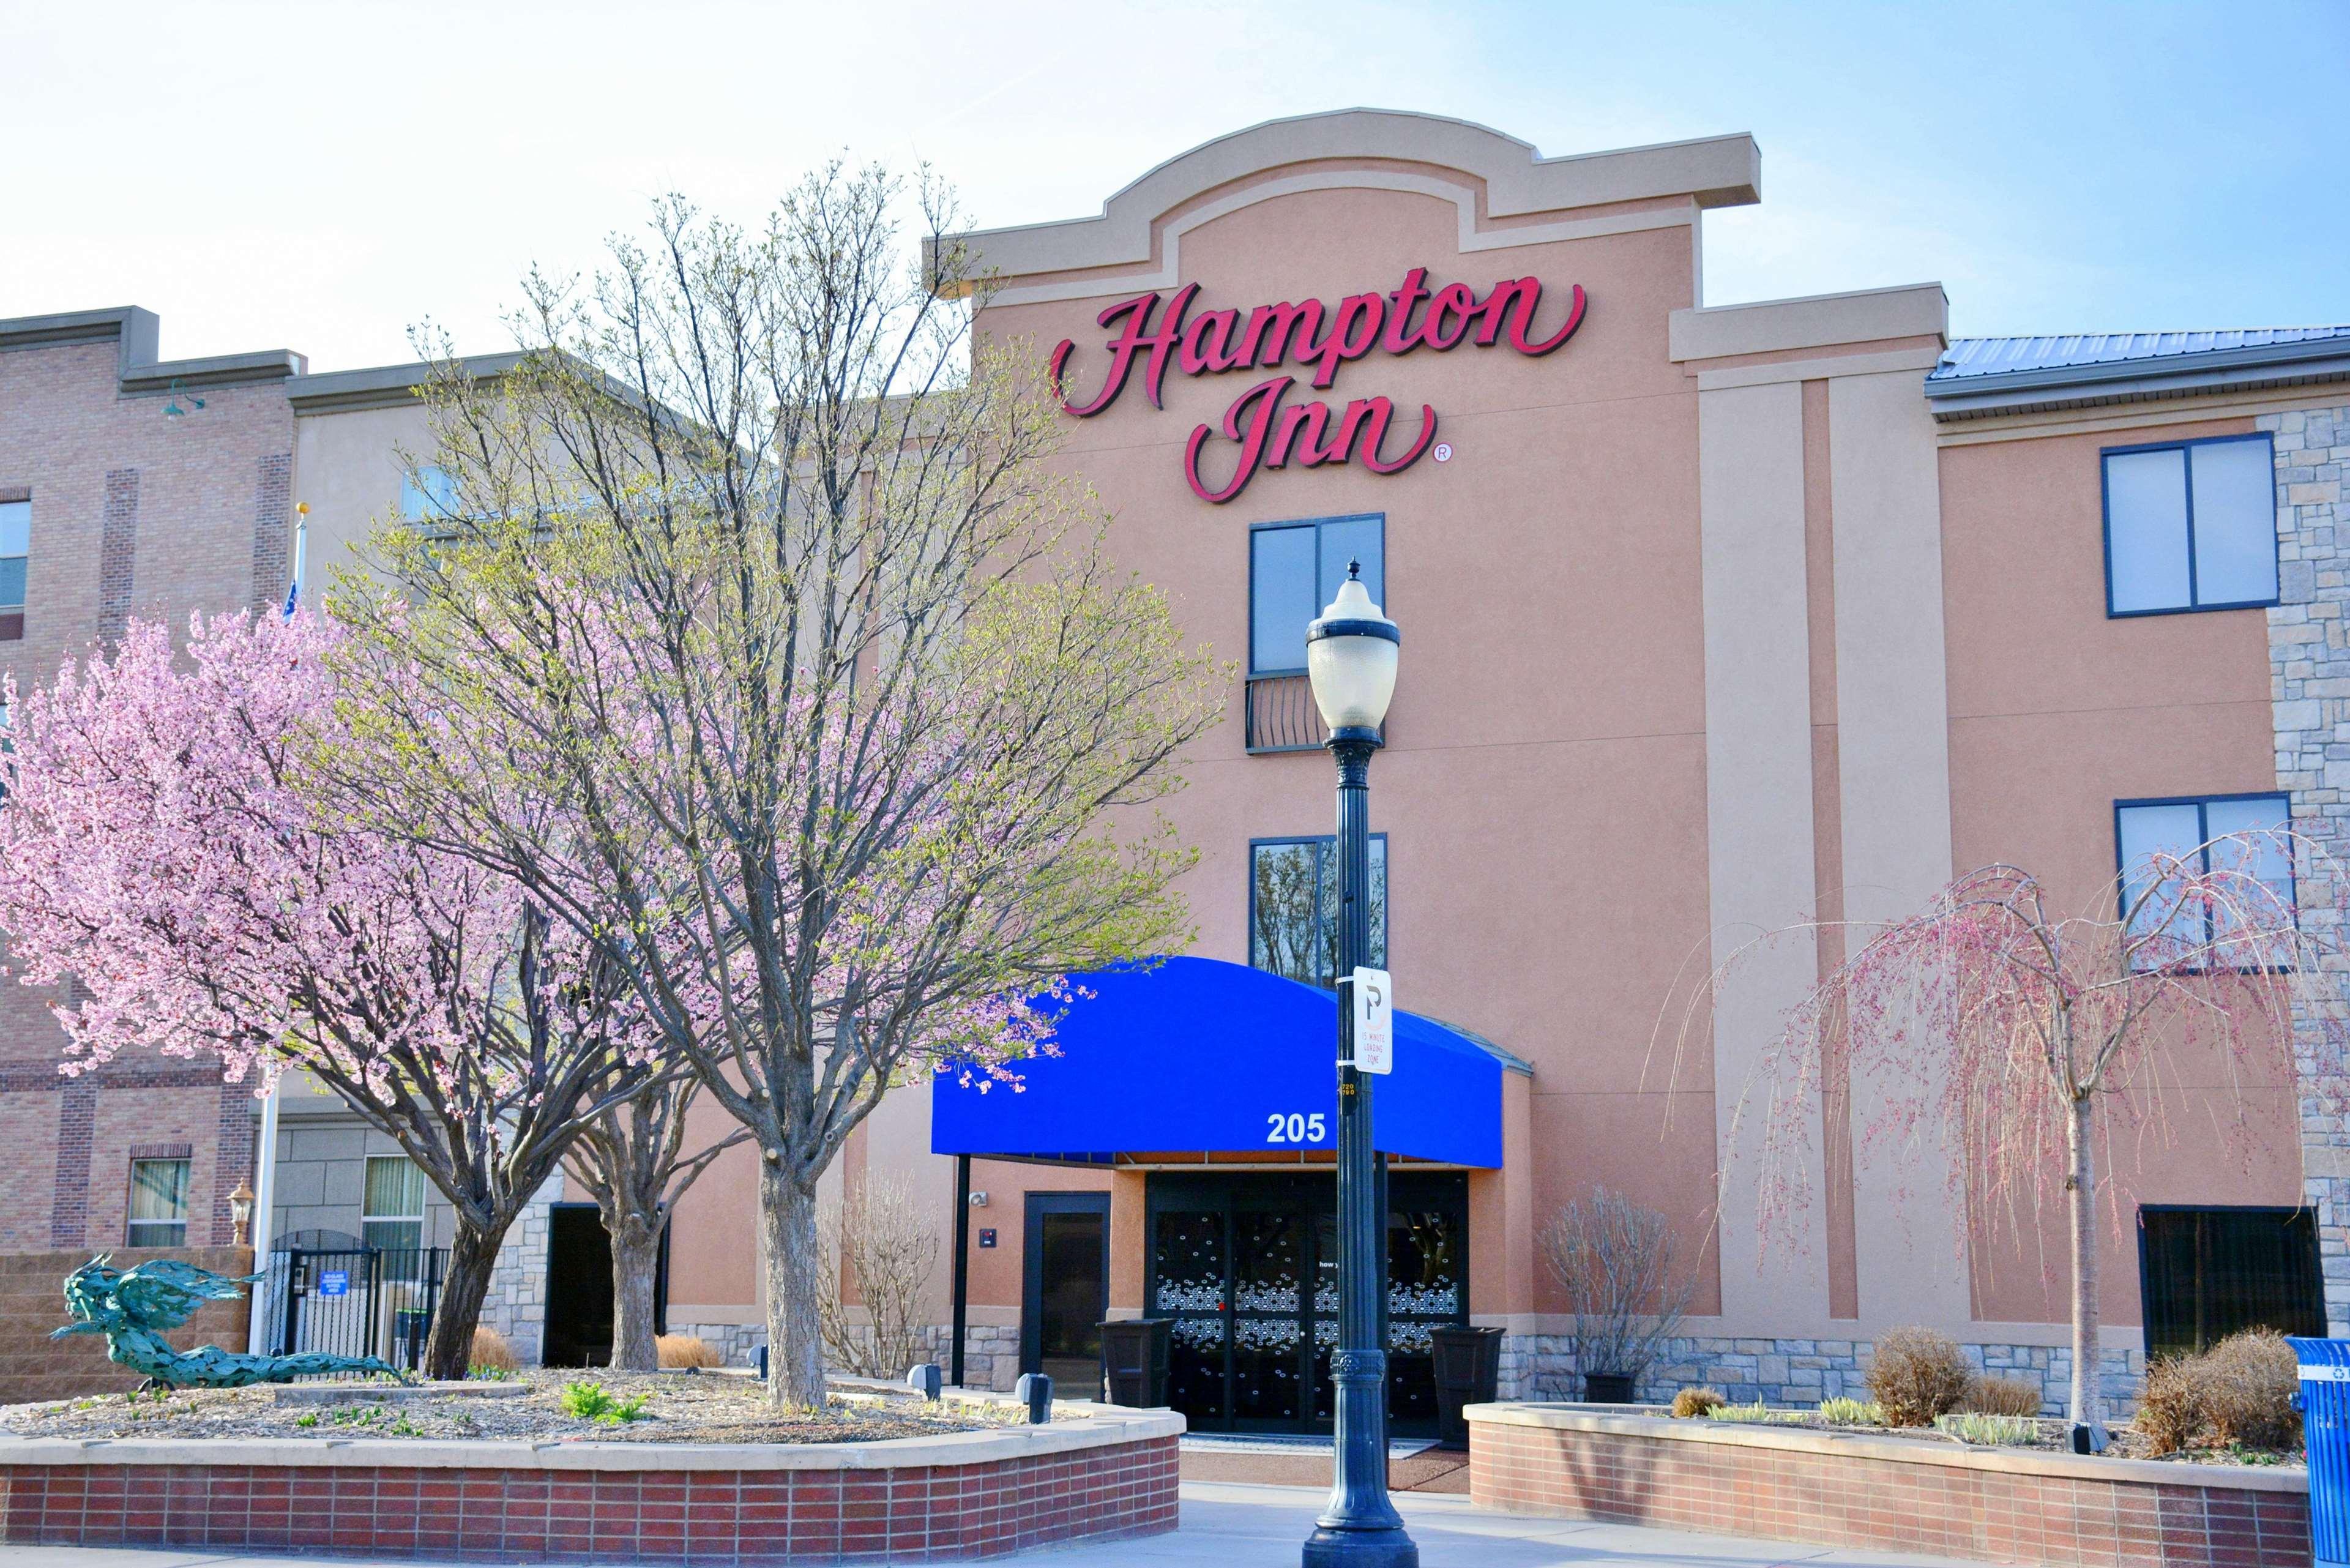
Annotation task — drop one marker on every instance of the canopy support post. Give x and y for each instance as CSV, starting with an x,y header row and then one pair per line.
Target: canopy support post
x,y
962,1265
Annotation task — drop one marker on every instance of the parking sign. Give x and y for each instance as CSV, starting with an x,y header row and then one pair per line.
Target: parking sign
x,y
1374,999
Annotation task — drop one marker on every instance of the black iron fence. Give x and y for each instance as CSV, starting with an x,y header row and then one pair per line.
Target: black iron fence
x,y
351,1301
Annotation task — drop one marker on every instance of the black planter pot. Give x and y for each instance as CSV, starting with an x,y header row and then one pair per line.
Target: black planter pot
x,y
1606,1388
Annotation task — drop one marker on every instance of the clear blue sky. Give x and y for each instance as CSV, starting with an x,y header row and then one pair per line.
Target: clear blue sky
x,y
318,177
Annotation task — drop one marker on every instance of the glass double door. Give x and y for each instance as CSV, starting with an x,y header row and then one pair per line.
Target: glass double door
x,y
1247,1267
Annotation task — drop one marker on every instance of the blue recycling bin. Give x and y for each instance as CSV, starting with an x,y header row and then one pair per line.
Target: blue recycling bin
x,y
2324,1404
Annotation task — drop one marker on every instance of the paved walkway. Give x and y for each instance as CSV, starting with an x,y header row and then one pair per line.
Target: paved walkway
x,y
1229,1526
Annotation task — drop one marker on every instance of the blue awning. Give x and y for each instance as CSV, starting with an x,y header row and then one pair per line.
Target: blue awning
x,y
1200,1055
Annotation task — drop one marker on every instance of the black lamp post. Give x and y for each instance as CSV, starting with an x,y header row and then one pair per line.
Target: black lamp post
x,y
1350,659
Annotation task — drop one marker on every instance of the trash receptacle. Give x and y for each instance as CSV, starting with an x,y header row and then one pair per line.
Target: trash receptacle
x,y
1467,1372
1134,1360
2325,1404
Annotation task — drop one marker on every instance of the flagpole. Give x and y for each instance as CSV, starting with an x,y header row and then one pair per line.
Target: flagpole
x,y
264,1177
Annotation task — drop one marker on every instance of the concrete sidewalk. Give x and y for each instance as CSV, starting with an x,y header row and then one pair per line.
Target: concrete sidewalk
x,y
1229,1526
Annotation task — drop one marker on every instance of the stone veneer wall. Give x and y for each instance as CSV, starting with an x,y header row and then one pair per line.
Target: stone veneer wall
x,y
2309,674
516,1303
1797,1372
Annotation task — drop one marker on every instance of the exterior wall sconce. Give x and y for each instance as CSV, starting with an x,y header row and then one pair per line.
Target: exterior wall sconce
x,y
172,410
240,1213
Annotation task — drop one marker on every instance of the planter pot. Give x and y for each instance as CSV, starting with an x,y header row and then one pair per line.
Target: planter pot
x,y
1608,1388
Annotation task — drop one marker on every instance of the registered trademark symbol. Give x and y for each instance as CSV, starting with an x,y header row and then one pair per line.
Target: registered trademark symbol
x,y
1444,452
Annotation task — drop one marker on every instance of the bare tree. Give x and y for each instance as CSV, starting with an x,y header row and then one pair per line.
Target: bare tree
x,y
1614,1259
2003,1025
878,1245
777,659
632,1159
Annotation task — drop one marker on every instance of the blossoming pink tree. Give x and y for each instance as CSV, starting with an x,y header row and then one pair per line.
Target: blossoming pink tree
x,y
2002,1026
773,657
165,843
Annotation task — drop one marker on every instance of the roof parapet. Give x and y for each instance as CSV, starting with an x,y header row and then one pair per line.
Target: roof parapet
x,y
138,371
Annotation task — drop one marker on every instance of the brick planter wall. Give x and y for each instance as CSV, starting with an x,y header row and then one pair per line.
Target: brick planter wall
x,y
1885,1493
970,1495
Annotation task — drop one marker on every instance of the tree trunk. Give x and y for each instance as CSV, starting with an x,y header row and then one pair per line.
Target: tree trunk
x,y
636,1270
788,1250
2088,1404
449,1349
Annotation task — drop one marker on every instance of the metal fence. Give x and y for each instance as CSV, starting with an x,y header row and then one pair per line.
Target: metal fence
x,y
352,1301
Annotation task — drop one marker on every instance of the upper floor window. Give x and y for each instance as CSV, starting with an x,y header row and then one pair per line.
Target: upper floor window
x,y
428,495
2190,525
159,1203
2197,831
1295,569
16,548
391,1209
1293,908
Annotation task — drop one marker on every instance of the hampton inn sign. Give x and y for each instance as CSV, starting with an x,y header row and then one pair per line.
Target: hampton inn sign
x,y
1270,430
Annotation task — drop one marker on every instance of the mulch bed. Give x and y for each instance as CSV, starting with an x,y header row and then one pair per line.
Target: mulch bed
x,y
677,1408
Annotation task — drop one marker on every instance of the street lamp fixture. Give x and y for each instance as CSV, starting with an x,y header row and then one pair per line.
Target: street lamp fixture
x,y
240,1213
1350,661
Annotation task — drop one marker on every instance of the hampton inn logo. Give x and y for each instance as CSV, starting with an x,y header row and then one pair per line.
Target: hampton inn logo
x,y
1269,429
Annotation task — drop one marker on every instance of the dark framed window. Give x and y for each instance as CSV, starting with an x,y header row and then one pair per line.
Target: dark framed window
x,y
159,1203
1295,569
1293,908
2185,826
2206,1273
16,553
2190,525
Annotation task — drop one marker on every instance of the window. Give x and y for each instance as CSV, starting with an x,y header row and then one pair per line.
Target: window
x,y
1293,908
428,495
1295,569
2185,828
16,547
2208,1272
159,1203
2190,525
391,1212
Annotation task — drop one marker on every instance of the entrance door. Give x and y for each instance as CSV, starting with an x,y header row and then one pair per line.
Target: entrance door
x,y
579,1287
1065,1293
1247,1267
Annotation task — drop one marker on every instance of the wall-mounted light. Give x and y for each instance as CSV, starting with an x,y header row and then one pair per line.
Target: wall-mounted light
x,y
172,410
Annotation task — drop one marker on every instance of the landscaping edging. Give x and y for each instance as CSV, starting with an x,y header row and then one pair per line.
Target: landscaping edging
x,y
1840,1490
1095,1472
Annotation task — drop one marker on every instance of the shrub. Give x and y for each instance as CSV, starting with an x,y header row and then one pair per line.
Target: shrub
x,y
591,1401
1693,1402
1975,1427
1843,1412
1613,1262
1918,1375
1757,1414
2238,1392
491,1350
1988,1396
687,1350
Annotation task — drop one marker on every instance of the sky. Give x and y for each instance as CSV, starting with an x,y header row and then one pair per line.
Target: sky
x,y
323,176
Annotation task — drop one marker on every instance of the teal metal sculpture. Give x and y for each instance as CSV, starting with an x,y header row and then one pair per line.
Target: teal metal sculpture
x,y
132,1307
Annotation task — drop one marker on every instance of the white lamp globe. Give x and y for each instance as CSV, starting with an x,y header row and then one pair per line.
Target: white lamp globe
x,y
1350,657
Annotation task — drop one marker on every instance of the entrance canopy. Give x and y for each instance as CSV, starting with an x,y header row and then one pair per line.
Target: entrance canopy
x,y
1200,1055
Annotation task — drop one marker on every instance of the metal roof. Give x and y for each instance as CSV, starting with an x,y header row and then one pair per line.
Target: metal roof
x,y
1981,375
1971,357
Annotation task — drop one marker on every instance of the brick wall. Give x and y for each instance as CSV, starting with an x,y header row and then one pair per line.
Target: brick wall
x,y
915,1514
132,515
1892,1494
32,1303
